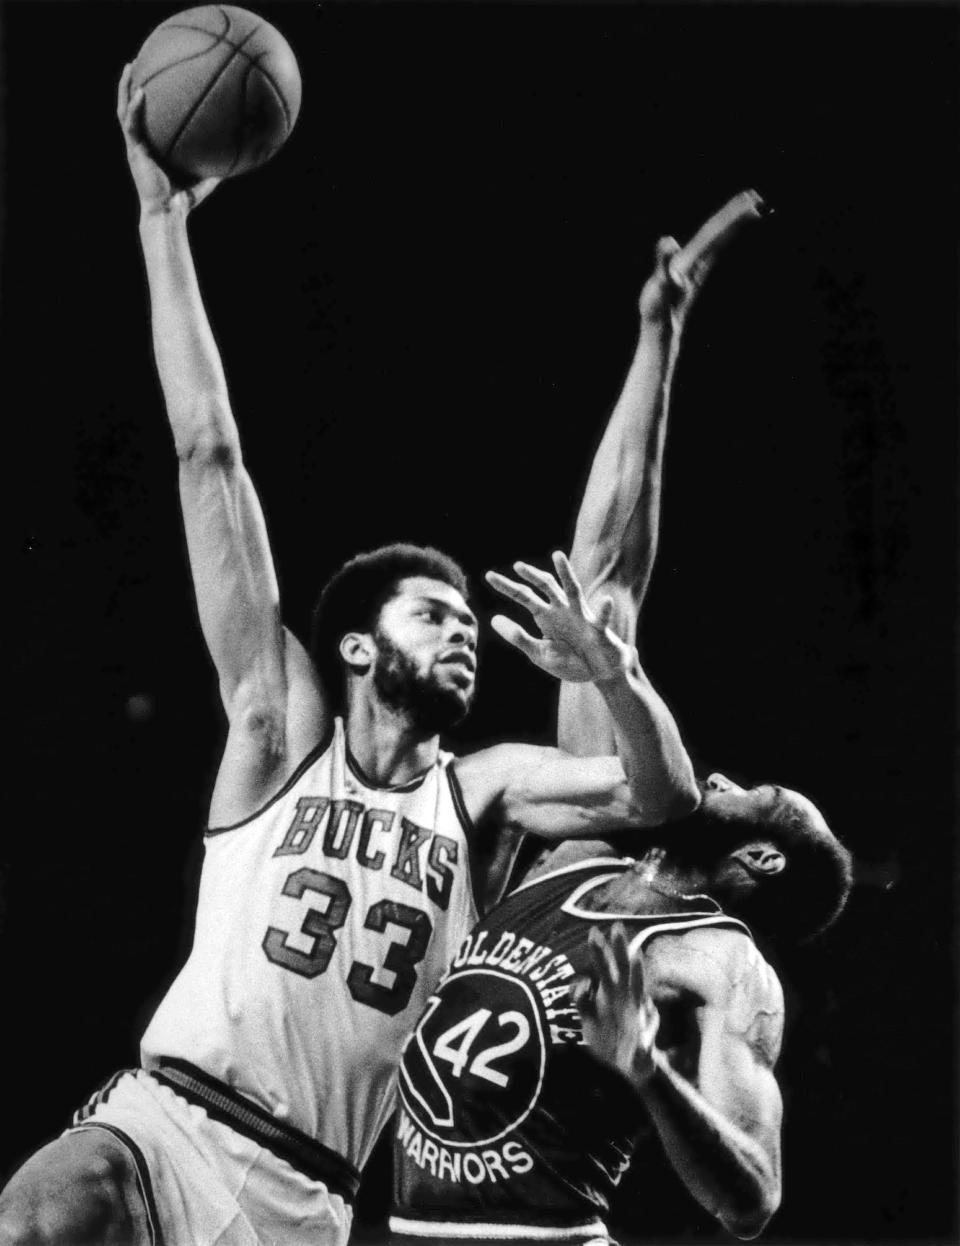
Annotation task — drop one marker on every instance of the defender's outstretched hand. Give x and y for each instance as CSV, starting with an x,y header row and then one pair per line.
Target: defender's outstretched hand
x,y
157,193
680,271
620,1019
576,642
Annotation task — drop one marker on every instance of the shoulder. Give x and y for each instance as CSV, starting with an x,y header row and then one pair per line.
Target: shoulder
x,y
726,969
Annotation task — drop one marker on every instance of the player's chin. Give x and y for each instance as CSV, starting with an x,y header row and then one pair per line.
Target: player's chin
x,y
457,697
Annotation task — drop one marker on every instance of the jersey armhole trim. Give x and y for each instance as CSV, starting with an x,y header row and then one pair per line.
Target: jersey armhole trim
x,y
456,791
298,774
642,937
469,830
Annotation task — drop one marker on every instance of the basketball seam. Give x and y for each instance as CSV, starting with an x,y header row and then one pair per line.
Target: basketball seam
x,y
239,132
183,61
281,99
210,85
220,39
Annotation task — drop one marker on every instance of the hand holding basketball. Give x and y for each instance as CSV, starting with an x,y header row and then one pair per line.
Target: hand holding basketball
x,y
220,92
156,192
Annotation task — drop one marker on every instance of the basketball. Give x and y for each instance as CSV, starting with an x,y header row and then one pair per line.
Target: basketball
x,y
221,92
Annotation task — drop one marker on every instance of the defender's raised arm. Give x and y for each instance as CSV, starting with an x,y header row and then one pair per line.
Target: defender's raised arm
x,y
617,526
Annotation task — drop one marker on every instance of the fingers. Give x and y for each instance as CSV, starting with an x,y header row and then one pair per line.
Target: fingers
x,y
131,116
664,252
542,580
584,997
604,612
693,261
570,583
196,194
606,969
614,968
514,635
519,593
123,93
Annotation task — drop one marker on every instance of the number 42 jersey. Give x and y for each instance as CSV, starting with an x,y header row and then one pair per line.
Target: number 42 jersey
x,y
508,1128
324,921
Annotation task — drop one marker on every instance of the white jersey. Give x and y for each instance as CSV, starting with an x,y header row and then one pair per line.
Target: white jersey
x,y
324,922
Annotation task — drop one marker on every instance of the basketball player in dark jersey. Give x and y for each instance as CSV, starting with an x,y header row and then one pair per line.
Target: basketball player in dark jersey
x,y
615,991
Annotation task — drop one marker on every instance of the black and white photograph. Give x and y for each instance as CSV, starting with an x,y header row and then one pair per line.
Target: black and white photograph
x,y
483,491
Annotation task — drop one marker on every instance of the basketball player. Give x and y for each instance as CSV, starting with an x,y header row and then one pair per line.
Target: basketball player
x,y
336,883
617,992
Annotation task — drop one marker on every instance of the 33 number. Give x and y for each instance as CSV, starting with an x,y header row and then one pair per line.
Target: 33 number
x,y
321,925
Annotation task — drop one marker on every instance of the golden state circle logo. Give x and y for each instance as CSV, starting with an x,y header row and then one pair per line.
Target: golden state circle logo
x,y
473,1068
487,1059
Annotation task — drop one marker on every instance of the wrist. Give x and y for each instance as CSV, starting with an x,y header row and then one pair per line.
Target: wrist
x,y
649,1070
161,212
624,676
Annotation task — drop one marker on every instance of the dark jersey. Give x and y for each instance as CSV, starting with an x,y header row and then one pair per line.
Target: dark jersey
x,y
506,1120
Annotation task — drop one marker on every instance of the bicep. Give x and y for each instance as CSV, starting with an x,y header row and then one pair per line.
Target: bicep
x,y
735,1069
555,795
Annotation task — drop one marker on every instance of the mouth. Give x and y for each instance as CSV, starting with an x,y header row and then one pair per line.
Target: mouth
x,y
466,661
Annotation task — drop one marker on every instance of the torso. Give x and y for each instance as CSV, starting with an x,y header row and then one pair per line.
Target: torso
x,y
505,1118
324,921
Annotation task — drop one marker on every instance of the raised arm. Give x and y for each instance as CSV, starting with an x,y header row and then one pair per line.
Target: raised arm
x,y
714,1099
272,701
617,526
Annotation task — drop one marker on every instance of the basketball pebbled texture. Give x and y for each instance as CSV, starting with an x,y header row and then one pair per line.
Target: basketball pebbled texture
x,y
221,91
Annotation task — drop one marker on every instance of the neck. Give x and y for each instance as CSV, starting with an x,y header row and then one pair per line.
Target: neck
x,y
656,870
385,743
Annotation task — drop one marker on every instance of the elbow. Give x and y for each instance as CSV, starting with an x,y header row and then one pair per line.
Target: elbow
x,y
748,1221
206,435
678,801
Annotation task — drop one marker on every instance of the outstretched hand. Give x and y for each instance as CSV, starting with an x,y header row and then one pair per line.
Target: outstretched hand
x,y
681,271
157,193
576,644
619,1018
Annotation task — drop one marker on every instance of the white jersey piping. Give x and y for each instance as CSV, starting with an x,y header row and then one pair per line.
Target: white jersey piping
x,y
468,1231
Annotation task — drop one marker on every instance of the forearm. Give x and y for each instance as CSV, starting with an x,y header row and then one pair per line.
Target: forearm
x,y
657,766
617,525
188,362
726,1170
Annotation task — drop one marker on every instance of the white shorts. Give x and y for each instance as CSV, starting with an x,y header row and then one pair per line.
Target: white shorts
x,y
204,1184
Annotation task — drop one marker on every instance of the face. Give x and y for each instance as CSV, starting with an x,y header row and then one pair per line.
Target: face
x,y
726,801
426,663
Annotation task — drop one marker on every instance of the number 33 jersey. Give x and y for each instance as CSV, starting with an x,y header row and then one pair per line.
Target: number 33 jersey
x,y
506,1121
324,921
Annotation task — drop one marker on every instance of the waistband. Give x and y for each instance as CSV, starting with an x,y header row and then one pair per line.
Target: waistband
x,y
586,1233
224,1104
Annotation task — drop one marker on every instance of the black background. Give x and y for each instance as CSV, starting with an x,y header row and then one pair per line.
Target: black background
x,y
426,304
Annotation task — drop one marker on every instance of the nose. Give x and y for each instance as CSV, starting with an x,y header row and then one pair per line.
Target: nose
x,y
720,783
461,633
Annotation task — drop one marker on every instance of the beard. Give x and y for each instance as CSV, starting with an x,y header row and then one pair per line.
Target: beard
x,y
431,707
698,841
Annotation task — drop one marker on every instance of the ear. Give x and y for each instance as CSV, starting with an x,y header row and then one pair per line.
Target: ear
x,y
762,859
358,651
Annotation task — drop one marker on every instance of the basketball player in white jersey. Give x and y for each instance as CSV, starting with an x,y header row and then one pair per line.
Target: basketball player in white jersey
x,y
336,882
682,1004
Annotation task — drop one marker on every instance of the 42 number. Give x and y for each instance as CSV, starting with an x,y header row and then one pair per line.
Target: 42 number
x,y
454,1046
